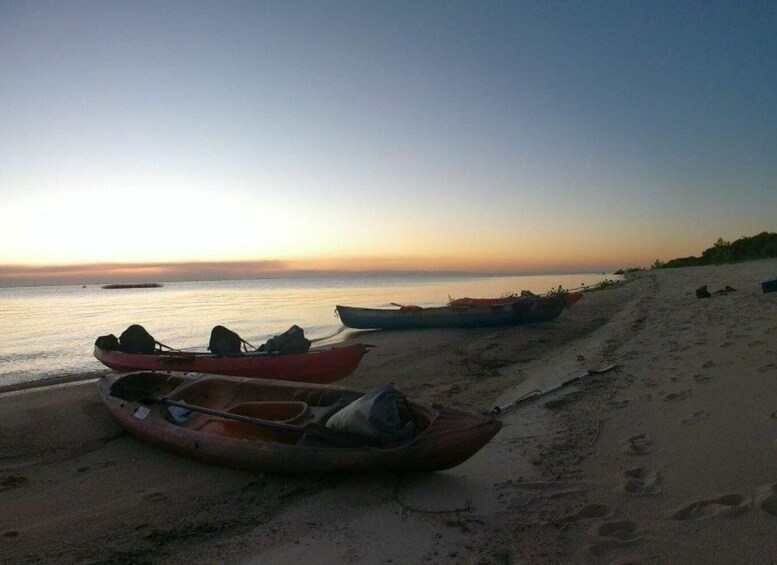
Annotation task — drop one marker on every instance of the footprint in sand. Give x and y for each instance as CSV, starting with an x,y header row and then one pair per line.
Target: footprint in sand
x,y
591,512
155,497
641,482
681,395
587,512
618,403
639,444
540,490
766,498
701,378
11,534
696,417
608,535
726,505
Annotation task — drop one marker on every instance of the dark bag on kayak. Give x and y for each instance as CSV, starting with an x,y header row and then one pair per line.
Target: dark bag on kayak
x,y
107,342
135,339
380,417
292,340
225,343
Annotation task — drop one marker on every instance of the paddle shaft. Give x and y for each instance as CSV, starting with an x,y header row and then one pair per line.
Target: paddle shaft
x,y
230,415
497,410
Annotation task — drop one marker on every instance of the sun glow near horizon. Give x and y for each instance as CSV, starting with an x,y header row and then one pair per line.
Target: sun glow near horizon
x,y
163,224
156,231
176,226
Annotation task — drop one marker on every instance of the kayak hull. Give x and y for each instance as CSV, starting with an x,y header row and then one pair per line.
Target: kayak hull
x,y
521,311
447,437
316,366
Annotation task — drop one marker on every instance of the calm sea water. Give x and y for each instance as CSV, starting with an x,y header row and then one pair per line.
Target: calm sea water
x,y
50,331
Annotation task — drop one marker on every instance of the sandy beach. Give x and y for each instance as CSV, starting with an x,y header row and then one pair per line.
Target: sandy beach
x,y
669,458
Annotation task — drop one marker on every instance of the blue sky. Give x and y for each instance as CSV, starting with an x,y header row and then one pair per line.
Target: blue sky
x,y
508,136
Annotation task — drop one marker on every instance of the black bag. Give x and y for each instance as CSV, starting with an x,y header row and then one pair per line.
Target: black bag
x,y
381,417
135,339
291,341
225,342
107,342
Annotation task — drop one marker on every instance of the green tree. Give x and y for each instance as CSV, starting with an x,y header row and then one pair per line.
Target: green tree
x,y
720,252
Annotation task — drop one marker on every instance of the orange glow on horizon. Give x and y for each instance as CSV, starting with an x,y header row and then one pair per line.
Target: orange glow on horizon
x,y
98,273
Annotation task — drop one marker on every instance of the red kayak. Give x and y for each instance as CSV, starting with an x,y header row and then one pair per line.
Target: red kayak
x,y
316,366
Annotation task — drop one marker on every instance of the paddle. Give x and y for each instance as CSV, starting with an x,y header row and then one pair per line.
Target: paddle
x,y
497,410
328,435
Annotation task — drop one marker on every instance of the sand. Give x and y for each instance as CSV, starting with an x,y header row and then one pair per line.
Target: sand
x,y
669,458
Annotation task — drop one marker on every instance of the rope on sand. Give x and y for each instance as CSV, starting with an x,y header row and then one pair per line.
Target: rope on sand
x,y
340,330
596,435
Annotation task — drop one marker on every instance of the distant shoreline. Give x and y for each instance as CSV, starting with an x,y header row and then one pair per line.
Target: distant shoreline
x,y
131,285
10,279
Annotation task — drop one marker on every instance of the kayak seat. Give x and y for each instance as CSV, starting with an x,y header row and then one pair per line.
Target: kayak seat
x,y
243,430
287,412
326,398
290,412
204,393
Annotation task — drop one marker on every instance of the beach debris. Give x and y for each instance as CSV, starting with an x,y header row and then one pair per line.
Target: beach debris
x,y
766,498
702,291
129,285
13,481
725,290
769,284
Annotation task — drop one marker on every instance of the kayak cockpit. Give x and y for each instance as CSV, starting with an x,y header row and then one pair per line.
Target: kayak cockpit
x,y
252,409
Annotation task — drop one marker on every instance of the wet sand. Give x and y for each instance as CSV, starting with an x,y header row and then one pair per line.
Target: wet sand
x,y
669,458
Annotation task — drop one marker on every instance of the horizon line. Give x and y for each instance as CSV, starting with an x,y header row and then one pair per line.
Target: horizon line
x,y
12,276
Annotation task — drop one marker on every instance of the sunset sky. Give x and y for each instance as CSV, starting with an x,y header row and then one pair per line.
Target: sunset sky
x,y
510,137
